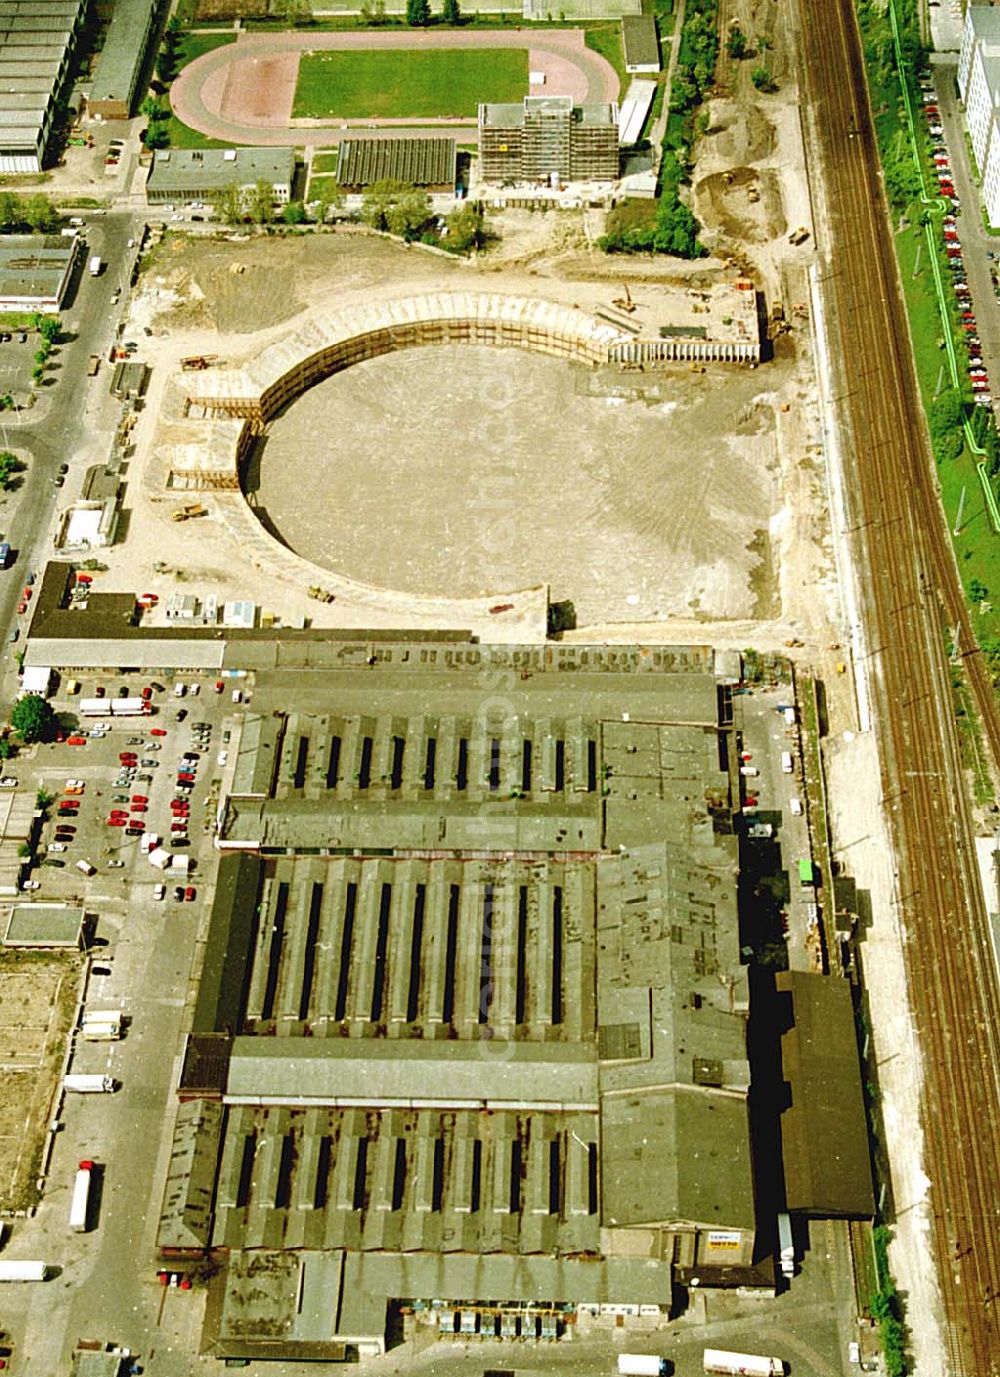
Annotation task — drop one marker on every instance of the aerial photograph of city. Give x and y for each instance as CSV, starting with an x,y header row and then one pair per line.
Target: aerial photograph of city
x,y
500,692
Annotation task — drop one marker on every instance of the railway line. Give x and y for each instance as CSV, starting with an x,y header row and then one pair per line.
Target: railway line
x,y
910,593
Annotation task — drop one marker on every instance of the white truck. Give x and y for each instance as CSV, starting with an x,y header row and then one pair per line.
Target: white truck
x,y
742,1364
96,265
89,1085
23,1271
79,1210
641,1365
786,1245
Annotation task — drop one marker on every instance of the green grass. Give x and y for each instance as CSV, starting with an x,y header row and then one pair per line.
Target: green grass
x,y
400,83
324,162
194,45
606,39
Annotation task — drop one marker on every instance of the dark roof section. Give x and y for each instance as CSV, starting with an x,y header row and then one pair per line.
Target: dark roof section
x,y
420,162
639,41
824,1131
229,946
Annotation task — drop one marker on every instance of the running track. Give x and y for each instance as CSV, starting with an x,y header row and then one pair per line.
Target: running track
x,y
218,95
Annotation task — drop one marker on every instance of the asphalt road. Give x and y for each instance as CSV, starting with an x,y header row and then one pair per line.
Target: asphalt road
x,y
72,410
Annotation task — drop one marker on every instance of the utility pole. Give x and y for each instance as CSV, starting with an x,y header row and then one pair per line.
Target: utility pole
x,y
957,530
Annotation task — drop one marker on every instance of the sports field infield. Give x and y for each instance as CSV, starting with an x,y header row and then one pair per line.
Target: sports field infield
x,y
401,84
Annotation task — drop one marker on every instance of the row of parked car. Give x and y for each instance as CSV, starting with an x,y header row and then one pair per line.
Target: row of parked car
x,y
978,376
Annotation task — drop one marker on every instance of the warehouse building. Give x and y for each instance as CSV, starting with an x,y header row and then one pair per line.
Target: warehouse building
x,y
122,60
426,163
203,174
640,44
471,1030
38,41
35,270
548,139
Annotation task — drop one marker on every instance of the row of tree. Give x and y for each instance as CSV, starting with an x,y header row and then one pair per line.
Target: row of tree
x,y
33,214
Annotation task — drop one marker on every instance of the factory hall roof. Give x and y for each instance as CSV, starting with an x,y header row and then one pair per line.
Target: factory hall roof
x,y
419,162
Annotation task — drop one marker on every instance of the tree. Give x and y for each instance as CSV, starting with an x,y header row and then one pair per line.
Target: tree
x,y
152,109
6,748
229,205
418,13
9,466
465,227
762,79
31,717
451,13
39,214
157,134
736,43
329,196
262,203
294,213
397,207
372,12
978,591
49,327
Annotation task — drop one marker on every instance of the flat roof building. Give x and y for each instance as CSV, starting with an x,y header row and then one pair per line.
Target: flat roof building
x,y
202,174
37,45
35,270
548,139
640,44
44,925
474,984
427,163
122,60
979,84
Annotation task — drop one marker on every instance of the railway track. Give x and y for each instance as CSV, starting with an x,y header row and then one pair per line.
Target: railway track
x,y
910,589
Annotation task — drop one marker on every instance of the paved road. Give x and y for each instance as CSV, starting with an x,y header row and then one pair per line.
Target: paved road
x,y
189,104
975,241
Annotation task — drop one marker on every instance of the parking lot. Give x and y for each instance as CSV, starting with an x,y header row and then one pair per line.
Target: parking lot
x,y
116,782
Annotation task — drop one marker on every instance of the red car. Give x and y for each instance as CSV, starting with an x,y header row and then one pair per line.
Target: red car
x,y
178,827
147,693
185,779
65,829
68,805
127,755
139,798
22,607
218,686
26,593
157,731
99,691
117,822
76,741
140,807
190,894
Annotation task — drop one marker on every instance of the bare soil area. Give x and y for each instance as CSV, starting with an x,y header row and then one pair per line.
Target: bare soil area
x,y
37,994
460,470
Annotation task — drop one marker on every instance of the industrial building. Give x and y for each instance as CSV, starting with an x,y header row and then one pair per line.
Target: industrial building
x,y
122,60
38,41
35,270
426,163
548,139
640,44
203,174
471,1029
979,85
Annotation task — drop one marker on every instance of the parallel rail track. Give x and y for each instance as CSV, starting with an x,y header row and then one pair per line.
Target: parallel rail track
x,y
910,590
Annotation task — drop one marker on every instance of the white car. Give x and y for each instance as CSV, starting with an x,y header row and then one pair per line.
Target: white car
x,y
180,690
222,757
854,1353
75,784
194,690
159,891
8,782
116,865
237,695
31,884
56,846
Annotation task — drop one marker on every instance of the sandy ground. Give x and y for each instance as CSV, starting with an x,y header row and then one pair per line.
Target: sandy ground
x,y
498,469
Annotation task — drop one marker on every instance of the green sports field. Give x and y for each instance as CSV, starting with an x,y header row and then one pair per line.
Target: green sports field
x,y
403,84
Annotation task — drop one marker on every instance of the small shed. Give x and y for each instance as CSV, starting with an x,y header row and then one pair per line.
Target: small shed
x,y
36,679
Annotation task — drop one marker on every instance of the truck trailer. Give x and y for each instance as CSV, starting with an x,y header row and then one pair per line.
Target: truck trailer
x,y
742,1364
79,1210
23,1271
641,1365
786,1245
89,1085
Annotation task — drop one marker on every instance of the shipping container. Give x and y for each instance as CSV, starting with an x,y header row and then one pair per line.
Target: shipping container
x,y
89,1085
641,1365
742,1364
23,1271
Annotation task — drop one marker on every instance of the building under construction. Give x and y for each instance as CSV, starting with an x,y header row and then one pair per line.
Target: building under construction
x,y
548,139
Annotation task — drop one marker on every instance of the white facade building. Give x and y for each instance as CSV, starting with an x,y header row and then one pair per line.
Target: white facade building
x,y
979,84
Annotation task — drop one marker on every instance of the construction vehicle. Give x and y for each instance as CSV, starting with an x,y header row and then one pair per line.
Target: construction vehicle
x,y
191,510
194,363
93,364
321,594
798,236
624,303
